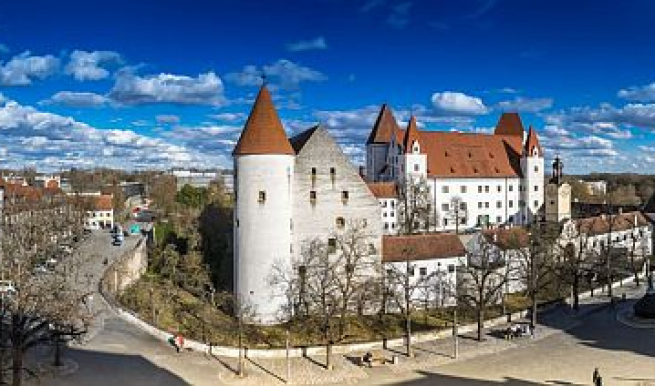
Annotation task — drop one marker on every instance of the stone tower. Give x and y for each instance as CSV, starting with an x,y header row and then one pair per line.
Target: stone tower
x,y
263,166
558,195
532,167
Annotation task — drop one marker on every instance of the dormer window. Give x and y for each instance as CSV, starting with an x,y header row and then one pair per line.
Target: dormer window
x,y
470,155
446,154
491,155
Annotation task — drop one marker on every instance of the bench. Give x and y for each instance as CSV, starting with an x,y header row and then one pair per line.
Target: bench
x,y
375,359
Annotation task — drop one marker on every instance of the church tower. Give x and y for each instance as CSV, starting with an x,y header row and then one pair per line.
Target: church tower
x,y
382,148
532,167
263,167
414,159
558,195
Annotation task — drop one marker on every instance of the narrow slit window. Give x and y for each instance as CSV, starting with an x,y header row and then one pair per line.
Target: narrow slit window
x,y
262,196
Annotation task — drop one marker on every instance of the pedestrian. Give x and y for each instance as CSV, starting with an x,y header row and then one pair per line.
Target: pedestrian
x,y
597,379
179,342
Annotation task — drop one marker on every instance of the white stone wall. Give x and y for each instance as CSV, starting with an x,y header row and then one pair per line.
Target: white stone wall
x,y
97,217
262,235
497,198
334,176
533,182
389,213
434,280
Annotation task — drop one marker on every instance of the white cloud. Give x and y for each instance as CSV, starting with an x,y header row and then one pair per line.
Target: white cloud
x,y
306,45
77,99
284,73
23,69
132,89
526,105
48,140
639,93
228,117
167,119
457,103
89,65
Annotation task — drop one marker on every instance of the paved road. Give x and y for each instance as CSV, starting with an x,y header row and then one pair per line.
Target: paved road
x,y
116,352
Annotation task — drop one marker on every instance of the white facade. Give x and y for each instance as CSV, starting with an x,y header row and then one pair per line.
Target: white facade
x,y
434,281
99,219
262,237
532,166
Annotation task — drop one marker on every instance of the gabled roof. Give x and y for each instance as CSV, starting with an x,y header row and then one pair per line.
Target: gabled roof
x,y
263,132
411,135
383,189
421,247
532,142
510,124
601,224
299,140
385,126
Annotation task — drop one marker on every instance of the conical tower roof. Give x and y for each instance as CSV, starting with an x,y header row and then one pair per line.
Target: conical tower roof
x,y
411,135
385,127
510,124
263,132
532,142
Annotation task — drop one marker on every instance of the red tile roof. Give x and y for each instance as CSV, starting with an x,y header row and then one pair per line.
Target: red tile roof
x,y
383,189
421,247
532,142
510,124
512,238
601,224
385,126
263,132
103,202
411,135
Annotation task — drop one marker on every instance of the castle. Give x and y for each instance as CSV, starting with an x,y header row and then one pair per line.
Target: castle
x,y
291,190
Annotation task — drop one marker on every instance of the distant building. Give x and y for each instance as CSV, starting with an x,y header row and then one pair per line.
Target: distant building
x,y
192,178
595,188
99,210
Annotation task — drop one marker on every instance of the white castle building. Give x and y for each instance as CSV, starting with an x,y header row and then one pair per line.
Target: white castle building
x,y
496,179
290,191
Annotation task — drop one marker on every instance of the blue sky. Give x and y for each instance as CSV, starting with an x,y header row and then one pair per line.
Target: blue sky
x,y
155,84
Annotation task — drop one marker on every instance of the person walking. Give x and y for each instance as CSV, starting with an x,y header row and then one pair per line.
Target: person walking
x,y
597,379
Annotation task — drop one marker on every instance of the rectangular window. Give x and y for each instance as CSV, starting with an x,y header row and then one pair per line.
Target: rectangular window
x,y
511,188
521,203
384,203
262,196
486,189
423,271
312,197
536,188
333,175
444,207
499,219
462,221
332,245
410,271
536,203
510,203
479,188
386,226
486,205
462,189
344,196
445,222
480,205
444,189
499,204
451,268
462,206
393,204
416,168
500,189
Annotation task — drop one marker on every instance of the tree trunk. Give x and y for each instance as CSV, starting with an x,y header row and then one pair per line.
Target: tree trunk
x,y
533,312
408,331
480,318
576,292
17,367
328,355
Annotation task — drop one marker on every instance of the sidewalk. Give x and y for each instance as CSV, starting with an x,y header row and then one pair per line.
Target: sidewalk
x,y
428,355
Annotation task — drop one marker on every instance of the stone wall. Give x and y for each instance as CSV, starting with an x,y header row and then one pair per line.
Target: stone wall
x,y
126,270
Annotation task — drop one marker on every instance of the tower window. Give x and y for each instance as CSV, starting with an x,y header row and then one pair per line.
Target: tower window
x,y
536,203
313,177
536,169
416,168
262,196
332,245
500,189
341,222
536,188
312,197
344,196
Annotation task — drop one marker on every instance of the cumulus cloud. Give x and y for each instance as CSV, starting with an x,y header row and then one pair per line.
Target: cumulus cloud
x,y
526,105
285,73
228,117
53,141
23,69
132,89
307,45
77,99
90,65
639,93
457,103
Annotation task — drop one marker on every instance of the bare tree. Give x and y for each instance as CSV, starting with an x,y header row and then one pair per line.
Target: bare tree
x,y
481,278
458,211
575,258
415,211
41,302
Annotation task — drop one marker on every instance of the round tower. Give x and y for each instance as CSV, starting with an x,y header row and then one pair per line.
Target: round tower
x,y
263,167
